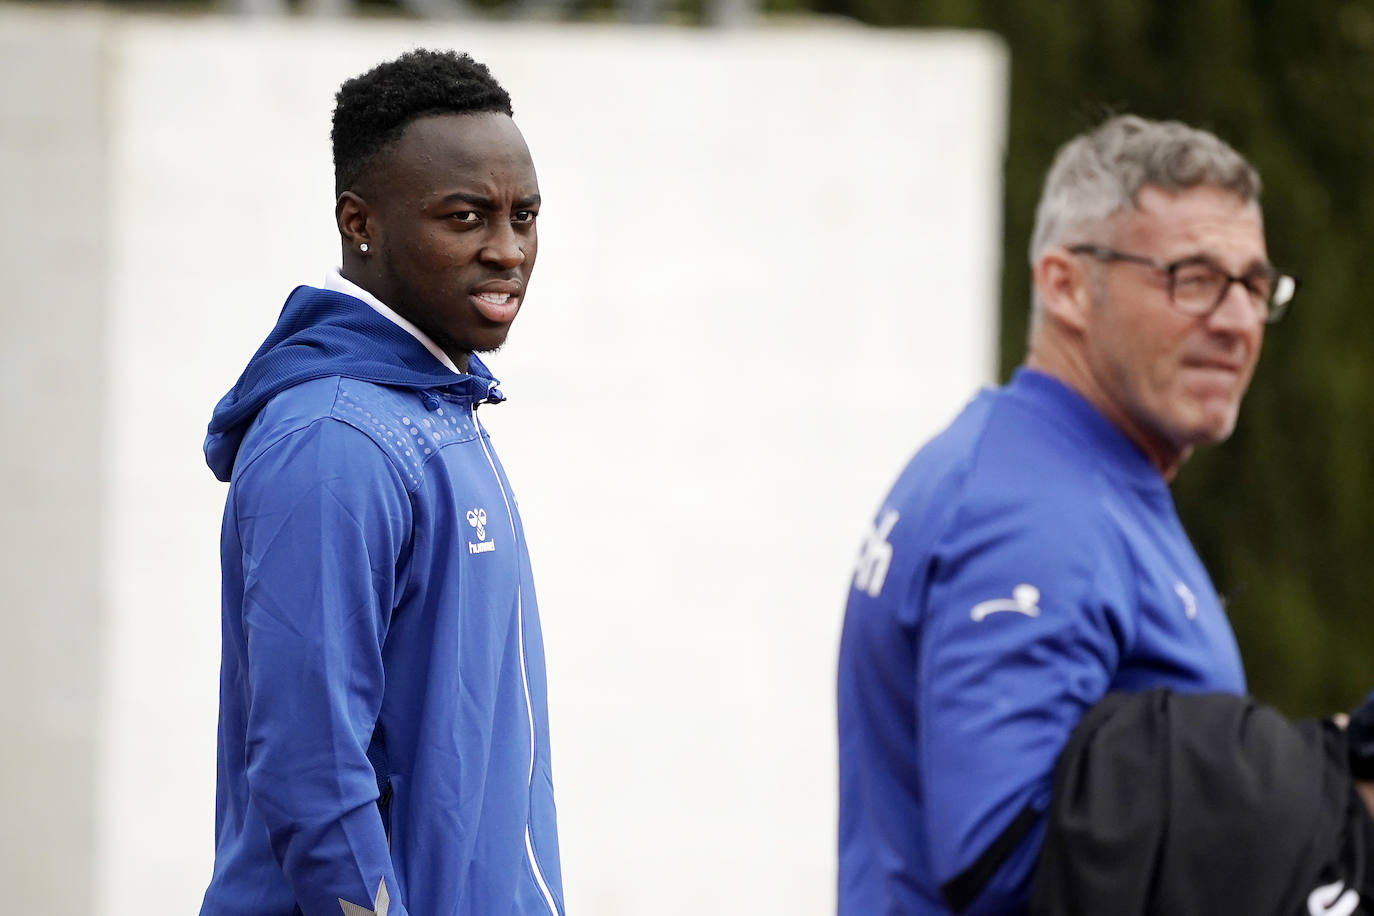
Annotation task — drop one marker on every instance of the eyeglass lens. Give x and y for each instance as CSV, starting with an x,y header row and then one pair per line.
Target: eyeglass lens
x,y
1198,287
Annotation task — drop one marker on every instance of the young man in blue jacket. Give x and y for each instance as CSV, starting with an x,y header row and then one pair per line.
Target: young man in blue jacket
x,y
1029,558
383,729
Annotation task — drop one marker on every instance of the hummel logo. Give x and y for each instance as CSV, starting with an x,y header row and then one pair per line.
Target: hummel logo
x,y
477,518
1189,601
1024,600
875,556
1328,900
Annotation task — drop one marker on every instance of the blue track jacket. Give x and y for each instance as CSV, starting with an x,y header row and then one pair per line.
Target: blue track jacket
x,y
383,730
1027,561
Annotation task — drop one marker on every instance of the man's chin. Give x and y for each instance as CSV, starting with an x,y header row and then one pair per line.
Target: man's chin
x,y
489,342
1214,427
1214,410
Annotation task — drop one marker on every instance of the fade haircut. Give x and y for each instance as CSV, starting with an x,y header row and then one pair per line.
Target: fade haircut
x,y
1101,172
371,111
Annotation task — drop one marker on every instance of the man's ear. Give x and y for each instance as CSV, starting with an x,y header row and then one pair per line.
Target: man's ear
x,y
354,220
1064,288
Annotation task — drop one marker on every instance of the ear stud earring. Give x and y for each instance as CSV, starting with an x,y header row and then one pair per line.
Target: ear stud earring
x,y
363,247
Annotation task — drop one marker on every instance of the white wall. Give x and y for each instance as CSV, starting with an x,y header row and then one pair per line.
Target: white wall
x,y
53,261
768,269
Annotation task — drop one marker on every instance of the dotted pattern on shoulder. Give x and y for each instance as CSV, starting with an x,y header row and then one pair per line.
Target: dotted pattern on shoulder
x,y
398,421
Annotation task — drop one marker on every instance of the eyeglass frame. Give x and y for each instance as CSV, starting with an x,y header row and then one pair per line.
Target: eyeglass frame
x,y
1274,308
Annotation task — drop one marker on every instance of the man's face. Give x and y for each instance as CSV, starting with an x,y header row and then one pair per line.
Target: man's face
x,y
452,211
1171,380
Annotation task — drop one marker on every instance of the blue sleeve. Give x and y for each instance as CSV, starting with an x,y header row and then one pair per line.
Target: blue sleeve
x,y
323,520
1022,632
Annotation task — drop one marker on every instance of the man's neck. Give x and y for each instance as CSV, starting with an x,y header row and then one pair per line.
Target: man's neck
x,y
339,282
1070,366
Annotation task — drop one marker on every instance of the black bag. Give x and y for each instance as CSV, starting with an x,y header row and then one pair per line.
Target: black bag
x,y
1204,805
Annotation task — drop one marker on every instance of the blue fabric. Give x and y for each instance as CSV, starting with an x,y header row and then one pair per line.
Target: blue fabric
x,y
380,636
322,333
1028,560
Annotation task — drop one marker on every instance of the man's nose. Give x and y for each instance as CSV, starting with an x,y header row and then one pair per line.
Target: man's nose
x,y
504,247
1237,311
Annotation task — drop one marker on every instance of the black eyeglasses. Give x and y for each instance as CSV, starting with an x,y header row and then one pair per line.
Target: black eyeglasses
x,y
1197,284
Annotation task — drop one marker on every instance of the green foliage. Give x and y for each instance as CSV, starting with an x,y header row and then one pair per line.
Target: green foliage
x,y
1281,513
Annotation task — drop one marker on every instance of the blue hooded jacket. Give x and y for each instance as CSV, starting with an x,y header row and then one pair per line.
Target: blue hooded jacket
x,y
383,729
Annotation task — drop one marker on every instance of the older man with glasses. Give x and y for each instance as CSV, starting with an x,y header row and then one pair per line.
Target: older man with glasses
x,y
1029,559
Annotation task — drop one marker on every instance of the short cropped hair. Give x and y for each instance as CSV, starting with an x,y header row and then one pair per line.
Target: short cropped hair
x,y
372,110
1101,172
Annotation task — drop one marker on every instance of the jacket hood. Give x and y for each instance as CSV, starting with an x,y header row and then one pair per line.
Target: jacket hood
x,y
321,333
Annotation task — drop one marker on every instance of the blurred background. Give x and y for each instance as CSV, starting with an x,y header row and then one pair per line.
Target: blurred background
x,y
784,242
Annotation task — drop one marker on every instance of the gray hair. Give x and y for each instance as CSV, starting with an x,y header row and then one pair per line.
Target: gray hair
x,y
1101,172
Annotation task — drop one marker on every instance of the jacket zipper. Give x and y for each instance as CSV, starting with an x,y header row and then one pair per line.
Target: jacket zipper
x,y
524,674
